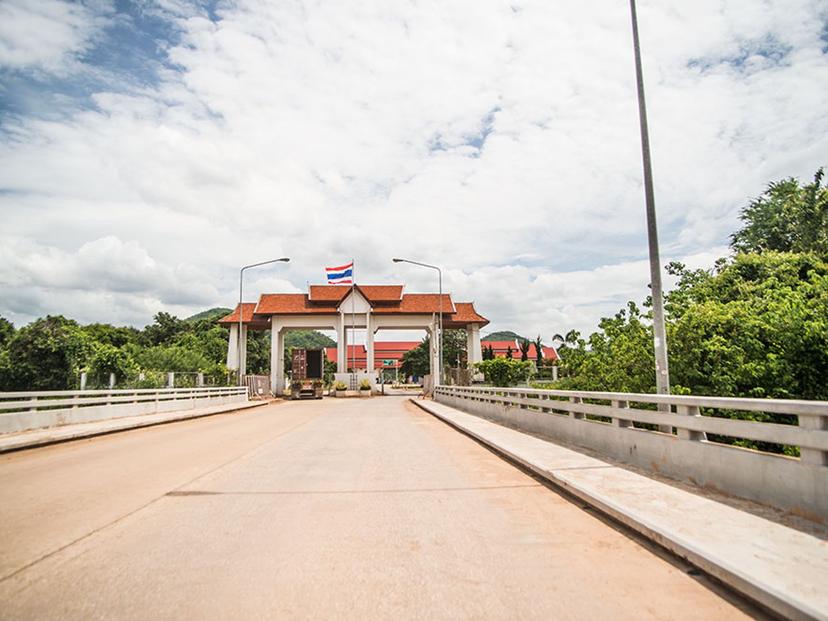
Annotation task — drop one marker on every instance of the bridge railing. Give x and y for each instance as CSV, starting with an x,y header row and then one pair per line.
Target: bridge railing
x,y
22,411
675,439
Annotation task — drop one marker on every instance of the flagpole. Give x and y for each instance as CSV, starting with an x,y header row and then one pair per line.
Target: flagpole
x,y
353,316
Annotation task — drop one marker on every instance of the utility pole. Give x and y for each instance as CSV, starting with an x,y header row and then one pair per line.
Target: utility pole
x,y
659,332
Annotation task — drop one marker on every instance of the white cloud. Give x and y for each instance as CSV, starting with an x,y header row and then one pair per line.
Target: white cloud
x,y
47,35
498,140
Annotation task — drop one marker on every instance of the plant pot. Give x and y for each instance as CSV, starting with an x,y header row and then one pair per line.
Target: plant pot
x,y
340,393
364,393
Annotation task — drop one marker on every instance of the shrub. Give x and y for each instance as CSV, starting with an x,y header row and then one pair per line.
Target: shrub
x,y
505,371
339,385
365,385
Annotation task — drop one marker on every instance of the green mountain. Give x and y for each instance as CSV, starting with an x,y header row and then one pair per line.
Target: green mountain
x,y
503,335
308,339
213,313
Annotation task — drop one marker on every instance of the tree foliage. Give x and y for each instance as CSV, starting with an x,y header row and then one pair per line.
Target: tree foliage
x,y
787,217
47,354
505,371
755,325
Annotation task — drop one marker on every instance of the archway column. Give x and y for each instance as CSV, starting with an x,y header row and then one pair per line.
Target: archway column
x,y
473,347
243,362
233,347
277,356
369,343
341,346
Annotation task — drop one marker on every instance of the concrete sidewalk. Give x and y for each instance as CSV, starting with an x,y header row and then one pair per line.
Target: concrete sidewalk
x,y
64,433
782,568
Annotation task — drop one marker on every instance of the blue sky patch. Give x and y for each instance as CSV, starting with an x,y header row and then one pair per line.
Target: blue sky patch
x,y
769,48
129,54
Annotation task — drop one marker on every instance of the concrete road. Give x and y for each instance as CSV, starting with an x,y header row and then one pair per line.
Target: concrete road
x,y
348,508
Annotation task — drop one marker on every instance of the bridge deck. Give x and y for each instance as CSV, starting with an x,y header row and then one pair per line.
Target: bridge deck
x,y
335,509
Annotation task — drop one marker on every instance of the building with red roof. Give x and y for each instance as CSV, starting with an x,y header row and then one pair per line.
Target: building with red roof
x,y
501,349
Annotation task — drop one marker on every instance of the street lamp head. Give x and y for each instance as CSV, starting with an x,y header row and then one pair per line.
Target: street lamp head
x,y
398,260
284,259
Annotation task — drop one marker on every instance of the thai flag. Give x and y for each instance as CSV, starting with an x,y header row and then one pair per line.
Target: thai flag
x,y
341,275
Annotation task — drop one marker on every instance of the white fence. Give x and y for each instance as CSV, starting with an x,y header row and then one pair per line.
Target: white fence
x,y
22,411
796,484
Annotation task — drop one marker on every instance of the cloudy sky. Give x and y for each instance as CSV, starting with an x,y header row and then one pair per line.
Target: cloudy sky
x,y
148,149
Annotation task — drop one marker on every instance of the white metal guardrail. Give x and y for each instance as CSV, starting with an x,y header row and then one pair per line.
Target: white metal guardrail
x,y
799,484
22,411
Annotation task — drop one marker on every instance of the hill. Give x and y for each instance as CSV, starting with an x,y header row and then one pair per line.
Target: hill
x,y
214,313
309,339
503,335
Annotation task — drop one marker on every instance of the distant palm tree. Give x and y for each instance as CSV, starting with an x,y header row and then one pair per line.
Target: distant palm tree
x,y
524,345
539,350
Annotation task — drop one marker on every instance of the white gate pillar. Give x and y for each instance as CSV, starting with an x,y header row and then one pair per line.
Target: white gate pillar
x,y
277,357
243,364
233,347
473,347
434,357
341,346
369,343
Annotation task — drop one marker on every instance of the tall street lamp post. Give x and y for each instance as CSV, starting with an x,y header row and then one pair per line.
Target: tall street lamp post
x,y
241,284
659,332
440,328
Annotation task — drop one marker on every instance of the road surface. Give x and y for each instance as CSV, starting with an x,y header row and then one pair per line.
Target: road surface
x,y
338,509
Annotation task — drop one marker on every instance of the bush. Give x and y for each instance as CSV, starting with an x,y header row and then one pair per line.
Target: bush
x,y
339,385
505,371
365,385
108,359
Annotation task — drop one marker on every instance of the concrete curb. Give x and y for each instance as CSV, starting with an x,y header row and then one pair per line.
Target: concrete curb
x,y
778,551
55,435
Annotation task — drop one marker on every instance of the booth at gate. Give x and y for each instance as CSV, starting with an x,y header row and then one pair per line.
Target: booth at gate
x,y
341,308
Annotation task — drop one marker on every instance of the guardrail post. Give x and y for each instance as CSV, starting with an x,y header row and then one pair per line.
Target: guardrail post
x,y
620,422
813,456
579,415
664,407
83,380
171,380
687,434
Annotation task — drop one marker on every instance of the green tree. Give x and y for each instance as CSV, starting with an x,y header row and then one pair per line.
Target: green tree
x,y
509,352
108,359
47,354
164,329
505,371
787,217
454,348
111,335
173,358
416,361
6,331
538,351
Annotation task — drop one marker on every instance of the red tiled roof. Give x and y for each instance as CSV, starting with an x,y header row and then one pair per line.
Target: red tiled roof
x,y
465,314
549,353
382,293
328,293
290,304
419,303
387,350
390,346
373,293
247,314
384,299
501,347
